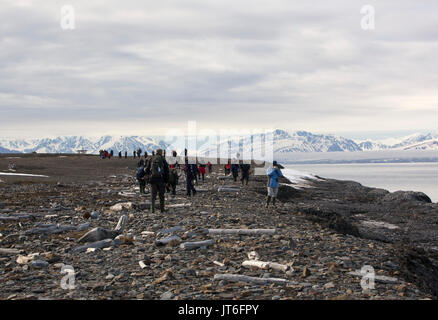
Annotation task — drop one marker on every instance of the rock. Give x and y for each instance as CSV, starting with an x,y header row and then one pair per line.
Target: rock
x,y
110,276
39,264
329,285
94,215
306,272
400,196
122,206
167,295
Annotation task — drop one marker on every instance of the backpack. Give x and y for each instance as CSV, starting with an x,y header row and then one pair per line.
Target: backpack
x,y
157,167
140,173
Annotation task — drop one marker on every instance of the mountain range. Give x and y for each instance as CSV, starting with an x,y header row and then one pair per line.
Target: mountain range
x,y
283,142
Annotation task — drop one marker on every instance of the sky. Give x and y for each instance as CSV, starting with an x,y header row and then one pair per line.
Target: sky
x,y
144,67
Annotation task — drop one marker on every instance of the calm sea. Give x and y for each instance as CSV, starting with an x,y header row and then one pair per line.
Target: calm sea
x,y
390,176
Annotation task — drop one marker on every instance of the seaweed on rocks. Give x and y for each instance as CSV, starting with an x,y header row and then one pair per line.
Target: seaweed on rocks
x,y
420,266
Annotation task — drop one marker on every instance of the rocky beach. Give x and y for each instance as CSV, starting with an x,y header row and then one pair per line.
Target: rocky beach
x,y
83,218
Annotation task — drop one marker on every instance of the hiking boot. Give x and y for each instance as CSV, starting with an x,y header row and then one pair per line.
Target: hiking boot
x,y
152,207
268,199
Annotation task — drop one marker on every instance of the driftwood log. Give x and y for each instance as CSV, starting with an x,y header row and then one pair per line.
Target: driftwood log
x,y
240,231
383,279
228,189
164,241
98,245
170,230
265,265
16,217
7,251
196,244
56,228
243,278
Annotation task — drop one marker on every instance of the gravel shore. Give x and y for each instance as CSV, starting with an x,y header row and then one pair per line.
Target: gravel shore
x,y
321,237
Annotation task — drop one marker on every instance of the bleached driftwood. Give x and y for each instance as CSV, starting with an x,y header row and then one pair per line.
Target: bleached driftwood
x,y
142,264
265,265
98,233
220,264
164,241
228,177
6,251
16,217
179,205
98,245
242,278
228,189
383,279
196,244
56,228
241,231
170,230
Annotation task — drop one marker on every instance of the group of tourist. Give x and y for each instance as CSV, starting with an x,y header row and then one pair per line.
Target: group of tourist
x,y
161,176
104,154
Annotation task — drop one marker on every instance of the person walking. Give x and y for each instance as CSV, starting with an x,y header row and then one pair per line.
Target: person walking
x,y
158,171
227,168
126,154
141,178
244,168
235,171
273,173
135,154
120,154
209,166
191,173
173,178
202,171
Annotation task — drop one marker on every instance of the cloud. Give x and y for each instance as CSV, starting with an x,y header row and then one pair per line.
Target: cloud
x,y
141,66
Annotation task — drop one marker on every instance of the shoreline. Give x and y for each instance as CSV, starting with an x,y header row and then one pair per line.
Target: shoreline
x,y
323,233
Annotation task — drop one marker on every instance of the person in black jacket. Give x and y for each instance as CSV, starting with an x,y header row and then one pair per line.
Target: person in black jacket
x,y
245,167
191,171
158,171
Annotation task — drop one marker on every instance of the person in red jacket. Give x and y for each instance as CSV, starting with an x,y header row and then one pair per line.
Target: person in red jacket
x,y
202,171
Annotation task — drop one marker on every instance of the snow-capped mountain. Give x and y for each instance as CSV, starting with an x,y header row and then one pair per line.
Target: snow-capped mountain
x,y
426,145
71,144
283,142
417,141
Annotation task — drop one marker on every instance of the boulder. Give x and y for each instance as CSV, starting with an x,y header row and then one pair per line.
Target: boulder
x,y
407,196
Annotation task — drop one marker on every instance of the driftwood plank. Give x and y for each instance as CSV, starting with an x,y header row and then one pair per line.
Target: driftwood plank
x,y
196,244
241,231
164,241
243,278
7,251
265,265
98,245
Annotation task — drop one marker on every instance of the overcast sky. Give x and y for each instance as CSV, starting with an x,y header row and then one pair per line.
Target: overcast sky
x,y
142,67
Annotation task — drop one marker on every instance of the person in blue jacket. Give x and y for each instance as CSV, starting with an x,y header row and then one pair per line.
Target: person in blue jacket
x,y
235,171
273,173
